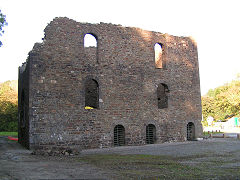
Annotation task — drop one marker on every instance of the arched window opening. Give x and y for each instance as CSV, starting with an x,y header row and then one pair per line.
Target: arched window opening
x,y
22,110
119,135
162,96
90,48
190,131
91,94
90,40
150,134
158,55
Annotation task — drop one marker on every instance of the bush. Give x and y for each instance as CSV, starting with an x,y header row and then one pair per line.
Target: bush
x,y
8,106
8,116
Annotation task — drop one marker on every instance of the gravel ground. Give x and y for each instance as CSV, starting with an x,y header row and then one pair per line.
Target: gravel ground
x,y
18,163
176,149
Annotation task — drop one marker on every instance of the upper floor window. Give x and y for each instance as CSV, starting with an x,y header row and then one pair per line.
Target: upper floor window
x,y
162,96
158,55
90,48
90,40
91,94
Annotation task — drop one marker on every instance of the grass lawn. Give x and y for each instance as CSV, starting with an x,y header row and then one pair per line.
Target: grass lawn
x,y
13,134
143,166
160,167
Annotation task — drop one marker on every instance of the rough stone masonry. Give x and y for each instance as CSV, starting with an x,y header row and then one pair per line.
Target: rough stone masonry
x,y
134,87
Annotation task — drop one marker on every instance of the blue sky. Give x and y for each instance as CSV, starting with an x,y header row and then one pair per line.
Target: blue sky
x,y
214,24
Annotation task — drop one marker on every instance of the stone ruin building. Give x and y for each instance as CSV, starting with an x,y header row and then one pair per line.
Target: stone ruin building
x,y
133,87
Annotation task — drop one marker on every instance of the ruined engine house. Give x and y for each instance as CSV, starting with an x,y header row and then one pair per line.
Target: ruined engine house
x,y
132,87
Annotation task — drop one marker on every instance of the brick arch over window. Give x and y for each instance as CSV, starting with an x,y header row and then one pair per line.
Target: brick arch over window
x,y
150,134
91,94
162,96
119,135
158,55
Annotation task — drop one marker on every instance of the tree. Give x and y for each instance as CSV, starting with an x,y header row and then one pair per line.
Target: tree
x,y
8,106
222,102
3,23
208,108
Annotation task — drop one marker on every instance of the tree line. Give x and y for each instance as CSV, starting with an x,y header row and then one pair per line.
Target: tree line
x,y
222,102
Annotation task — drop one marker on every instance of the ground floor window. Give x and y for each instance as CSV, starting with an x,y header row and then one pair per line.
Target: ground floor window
x,y
190,131
150,134
119,135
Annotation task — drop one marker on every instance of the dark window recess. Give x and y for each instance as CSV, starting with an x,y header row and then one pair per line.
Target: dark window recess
x,y
162,96
150,134
190,131
119,135
91,94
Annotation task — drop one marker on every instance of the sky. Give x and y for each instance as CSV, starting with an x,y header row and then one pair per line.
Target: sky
x,y
214,24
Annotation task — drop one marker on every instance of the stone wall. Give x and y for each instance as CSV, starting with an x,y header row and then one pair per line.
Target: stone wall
x,y
123,66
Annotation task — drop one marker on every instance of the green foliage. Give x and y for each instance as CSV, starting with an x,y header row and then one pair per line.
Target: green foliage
x,y
222,102
8,106
3,23
13,134
8,116
207,108
8,91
